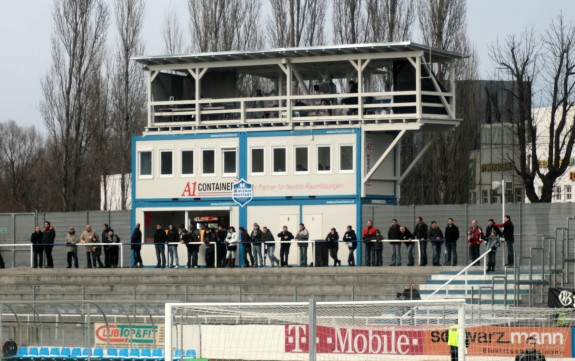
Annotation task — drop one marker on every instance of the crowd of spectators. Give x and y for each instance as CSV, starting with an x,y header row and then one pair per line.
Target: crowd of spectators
x,y
221,245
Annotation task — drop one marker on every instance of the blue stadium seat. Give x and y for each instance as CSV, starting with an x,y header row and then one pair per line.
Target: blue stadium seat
x,y
65,352
146,354
32,352
44,353
98,353
191,353
55,353
177,354
112,354
123,353
157,354
22,352
76,353
134,353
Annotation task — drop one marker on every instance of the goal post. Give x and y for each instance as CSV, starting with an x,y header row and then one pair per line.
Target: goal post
x,y
382,330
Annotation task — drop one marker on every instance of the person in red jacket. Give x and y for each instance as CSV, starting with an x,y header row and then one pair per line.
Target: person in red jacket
x,y
474,238
368,235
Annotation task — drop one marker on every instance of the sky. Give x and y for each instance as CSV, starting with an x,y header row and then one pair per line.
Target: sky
x,y
25,28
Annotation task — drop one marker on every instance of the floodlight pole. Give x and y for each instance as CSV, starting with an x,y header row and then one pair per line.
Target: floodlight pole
x,y
503,189
312,331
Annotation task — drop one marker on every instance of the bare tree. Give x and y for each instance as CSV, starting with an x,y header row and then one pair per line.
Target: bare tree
x,y
389,20
443,172
20,151
78,47
173,34
551,64
128,94
223,25
296,23
349,22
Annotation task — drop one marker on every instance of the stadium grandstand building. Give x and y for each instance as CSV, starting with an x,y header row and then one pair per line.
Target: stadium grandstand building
x,y
284,136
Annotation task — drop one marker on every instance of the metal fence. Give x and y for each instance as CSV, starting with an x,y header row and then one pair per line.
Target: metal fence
x,y
532,222
16,228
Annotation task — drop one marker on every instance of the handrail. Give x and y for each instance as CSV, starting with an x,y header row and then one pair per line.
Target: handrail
x,y
459,273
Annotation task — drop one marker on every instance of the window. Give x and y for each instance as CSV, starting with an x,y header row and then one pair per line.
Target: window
x,y
166,160
519,195
324,159
568,193
484,197
229,156
494,196
557,194
146,163
346,158
257,159
208,161
279,160
187,162
301,159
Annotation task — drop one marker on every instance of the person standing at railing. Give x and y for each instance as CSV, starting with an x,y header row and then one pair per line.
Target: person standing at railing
x,y
350,239
420,233
37,249
48,237
245,240
113,241
209,236
107,256
451,237
173,239
270,243
221,235
160,246
436,238
392,234
86,237
190,240
378,248
72,240
302,236
492,242
332,239
368,237
474,239
285,236
256,237
96,252
406,235
231,247
508,230
136,245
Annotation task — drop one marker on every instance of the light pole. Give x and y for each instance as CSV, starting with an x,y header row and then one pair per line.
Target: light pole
x,y
496,185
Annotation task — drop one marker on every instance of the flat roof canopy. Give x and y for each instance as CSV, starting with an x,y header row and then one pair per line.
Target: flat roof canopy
x,y
330,59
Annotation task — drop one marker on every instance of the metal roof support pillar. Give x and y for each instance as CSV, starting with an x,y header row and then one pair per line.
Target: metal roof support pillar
x,y
419,108
198,73
384,155
151,76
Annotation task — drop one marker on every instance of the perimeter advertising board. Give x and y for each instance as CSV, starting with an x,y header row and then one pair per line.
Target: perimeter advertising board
x,y
554,342
121,334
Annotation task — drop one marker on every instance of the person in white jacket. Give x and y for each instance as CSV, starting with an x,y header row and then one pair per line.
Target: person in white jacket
x,y
232,247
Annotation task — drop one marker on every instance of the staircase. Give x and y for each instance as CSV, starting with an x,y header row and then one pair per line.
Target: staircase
x,y
494,288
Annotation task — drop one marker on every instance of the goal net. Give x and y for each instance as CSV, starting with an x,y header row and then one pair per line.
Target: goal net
x,y
378,330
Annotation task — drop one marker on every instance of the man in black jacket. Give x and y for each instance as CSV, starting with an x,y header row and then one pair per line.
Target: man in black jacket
x,y
136,242
37,248
350,239
160,239
285,236
107,255
393,233
420,233
451,236
48,237
508,230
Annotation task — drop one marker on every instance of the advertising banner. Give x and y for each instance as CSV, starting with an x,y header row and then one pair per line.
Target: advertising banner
x,y
121,335
553,342
561,298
